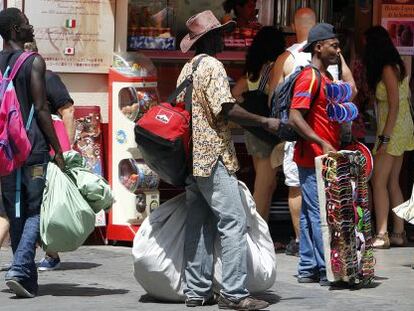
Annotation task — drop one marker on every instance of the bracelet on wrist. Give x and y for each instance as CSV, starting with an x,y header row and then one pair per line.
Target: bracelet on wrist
x,y
384,139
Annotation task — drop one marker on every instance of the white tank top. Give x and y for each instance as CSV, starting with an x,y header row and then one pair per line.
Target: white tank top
x,y
304,59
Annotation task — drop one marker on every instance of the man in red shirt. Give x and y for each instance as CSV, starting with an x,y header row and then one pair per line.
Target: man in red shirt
x,y
318,136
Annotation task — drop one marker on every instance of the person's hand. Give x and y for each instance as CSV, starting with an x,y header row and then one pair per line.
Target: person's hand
x,y
381,149
327,147
272,125
58,159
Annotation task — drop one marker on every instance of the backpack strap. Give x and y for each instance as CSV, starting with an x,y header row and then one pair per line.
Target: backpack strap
x,y
265,77
319,81
187,83
19,62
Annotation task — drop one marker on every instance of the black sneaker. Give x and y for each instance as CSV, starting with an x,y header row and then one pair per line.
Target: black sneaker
x,y
195,302
248,303
324,282
308,279
292,249
18,288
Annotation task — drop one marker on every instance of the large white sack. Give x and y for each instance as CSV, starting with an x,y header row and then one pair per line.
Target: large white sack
x,y
158,250
406,209
261,256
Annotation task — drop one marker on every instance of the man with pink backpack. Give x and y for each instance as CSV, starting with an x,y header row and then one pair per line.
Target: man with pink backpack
x,y
26,120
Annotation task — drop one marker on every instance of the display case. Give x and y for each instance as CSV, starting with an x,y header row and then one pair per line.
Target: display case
x,y
150,25
132,91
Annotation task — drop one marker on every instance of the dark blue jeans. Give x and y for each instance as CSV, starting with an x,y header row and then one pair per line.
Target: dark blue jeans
x,y
311,261
24,230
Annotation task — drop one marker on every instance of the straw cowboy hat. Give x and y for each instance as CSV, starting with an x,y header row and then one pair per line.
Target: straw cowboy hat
x,y
200,24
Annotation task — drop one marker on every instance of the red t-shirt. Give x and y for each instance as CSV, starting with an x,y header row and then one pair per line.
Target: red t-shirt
x,y
304,90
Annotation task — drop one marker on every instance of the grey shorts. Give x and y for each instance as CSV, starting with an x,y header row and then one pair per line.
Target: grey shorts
x,y
257,147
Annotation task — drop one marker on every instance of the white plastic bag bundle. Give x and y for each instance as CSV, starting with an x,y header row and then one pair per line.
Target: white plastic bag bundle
x,y
158,250
261,257
406,209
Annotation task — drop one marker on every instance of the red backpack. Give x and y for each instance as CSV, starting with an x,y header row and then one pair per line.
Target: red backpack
x,y
163,134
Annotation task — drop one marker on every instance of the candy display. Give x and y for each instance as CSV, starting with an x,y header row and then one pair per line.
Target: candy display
x,y
345,217
135,102
136,176
88,138
339,107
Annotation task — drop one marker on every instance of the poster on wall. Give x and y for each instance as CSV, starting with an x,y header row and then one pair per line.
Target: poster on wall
x,y
398,18
74,35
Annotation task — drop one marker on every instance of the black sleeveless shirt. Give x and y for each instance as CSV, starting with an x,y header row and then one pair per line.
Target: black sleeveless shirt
x,y
22,86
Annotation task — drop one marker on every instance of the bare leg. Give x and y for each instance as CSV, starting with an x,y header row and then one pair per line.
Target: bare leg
x,y
383,165
295,204
4,229
398,236
52,254
264,185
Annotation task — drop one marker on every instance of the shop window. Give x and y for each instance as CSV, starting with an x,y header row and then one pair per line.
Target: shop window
x,y
160,24
150,24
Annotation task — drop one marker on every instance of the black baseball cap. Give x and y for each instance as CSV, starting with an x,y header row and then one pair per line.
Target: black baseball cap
x,y
319,32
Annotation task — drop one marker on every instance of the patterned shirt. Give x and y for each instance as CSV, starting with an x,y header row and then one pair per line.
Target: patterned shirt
x,y
211,134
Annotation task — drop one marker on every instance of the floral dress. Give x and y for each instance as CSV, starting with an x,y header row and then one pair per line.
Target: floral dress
x,y
402,137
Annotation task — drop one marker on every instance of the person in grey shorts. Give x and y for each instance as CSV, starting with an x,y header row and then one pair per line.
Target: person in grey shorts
x,y
267,45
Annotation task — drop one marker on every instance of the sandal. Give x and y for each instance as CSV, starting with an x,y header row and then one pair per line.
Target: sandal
x,y
381,241
398,239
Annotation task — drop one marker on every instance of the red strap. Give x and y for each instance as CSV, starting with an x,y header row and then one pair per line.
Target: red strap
x,y
19,62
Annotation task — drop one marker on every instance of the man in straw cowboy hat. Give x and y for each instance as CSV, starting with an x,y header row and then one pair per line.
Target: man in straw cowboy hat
x,y
212,190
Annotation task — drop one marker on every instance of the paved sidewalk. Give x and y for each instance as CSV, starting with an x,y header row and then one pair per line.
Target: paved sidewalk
x,y
100,278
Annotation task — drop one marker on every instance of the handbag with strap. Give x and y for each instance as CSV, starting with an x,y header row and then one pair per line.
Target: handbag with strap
x,y
256,101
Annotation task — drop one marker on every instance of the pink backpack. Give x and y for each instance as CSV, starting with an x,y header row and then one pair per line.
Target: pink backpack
x,y
15,146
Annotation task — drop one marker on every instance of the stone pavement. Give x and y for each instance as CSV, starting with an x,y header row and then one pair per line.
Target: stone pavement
x,y
100,278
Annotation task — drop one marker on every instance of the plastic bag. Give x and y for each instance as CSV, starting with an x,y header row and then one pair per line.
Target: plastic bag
x,y
158,250
94,188
66,219
406,209
261,256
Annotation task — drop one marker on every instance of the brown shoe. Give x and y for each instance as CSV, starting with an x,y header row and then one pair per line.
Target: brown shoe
x,y
248,303
381,241
398,239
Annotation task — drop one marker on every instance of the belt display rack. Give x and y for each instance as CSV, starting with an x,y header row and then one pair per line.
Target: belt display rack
x,y
345,217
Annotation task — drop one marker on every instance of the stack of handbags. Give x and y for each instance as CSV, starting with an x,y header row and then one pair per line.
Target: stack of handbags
x,y
158,250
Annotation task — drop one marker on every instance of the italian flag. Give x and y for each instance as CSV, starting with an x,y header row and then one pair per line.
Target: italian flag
x,y
70,23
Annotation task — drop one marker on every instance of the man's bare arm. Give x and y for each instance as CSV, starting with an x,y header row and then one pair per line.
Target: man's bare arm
x,y
281,68
67,113
38,92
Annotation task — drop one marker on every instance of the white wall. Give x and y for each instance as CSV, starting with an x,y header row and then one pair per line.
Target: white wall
x,y
92,89
88,89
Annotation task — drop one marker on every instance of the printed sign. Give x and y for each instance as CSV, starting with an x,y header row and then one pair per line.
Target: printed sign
x,y
74,35
398,18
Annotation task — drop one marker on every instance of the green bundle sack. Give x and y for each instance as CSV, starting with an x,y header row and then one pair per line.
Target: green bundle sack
x,y
94,188
66,219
